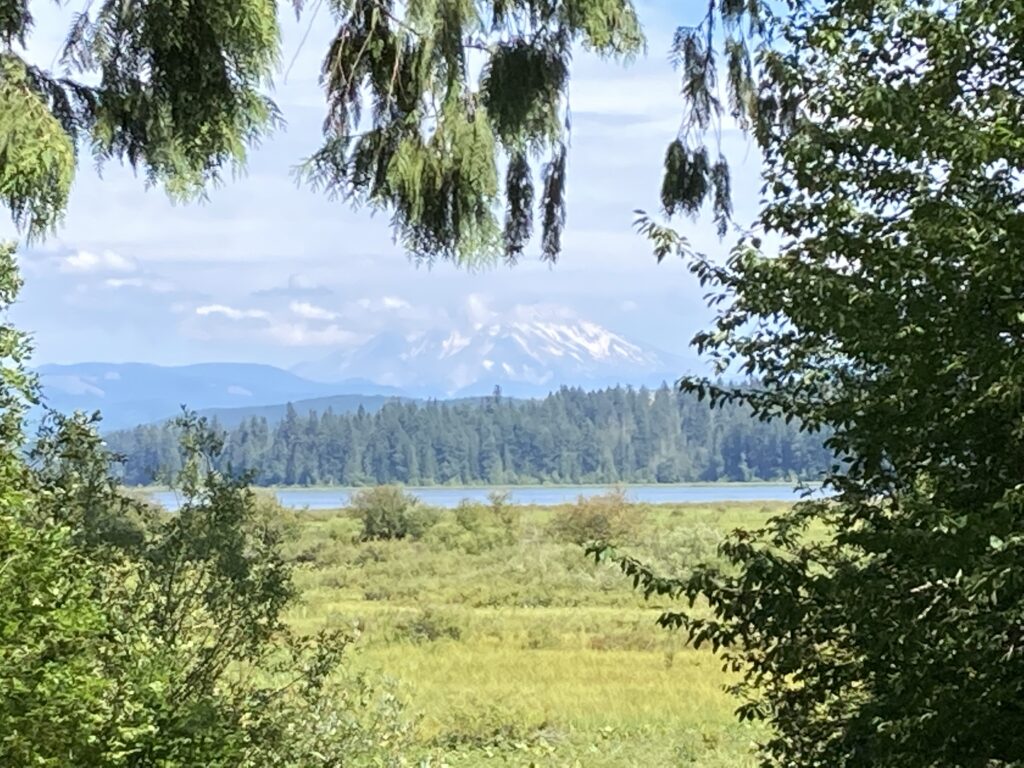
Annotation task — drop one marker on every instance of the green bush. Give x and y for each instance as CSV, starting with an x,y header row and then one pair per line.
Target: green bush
x,y
133,637
606,518
507,514
489,728
387,512
421,519
471,515
468,528
429,626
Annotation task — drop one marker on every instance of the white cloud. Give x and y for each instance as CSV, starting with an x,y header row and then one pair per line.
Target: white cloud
x,y
301,335
478,310
224,323
142,283
383,303
230,312
104,261
311,311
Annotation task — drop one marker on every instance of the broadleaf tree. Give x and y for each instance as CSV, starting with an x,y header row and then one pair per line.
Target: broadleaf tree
x,y
883,625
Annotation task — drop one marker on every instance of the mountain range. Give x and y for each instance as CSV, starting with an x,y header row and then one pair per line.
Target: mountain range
x,y
525,357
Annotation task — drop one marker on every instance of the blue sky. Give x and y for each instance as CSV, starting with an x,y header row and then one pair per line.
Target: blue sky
x,y
266,271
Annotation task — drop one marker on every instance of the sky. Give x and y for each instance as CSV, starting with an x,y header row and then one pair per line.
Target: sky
x,y
268,271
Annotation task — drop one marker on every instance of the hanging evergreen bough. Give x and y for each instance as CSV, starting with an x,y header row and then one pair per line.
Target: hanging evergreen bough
x,y
174,89
442,113
519,211
37,160
456,90
424,71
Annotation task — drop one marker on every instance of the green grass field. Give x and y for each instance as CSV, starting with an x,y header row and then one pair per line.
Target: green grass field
x,y
510,647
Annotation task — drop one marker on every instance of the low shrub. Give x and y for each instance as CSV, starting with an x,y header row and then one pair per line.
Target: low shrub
x,y
471,515
465,529
608,517
508,515
429,626
388,512
486,727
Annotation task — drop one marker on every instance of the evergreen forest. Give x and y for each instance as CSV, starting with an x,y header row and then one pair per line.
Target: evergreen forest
x,y
571,436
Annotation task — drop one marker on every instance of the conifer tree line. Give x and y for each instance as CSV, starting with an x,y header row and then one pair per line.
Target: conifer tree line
x,y
572,436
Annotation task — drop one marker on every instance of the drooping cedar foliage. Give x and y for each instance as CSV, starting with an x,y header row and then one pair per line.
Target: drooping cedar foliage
x,y
444,114
174,89
428,100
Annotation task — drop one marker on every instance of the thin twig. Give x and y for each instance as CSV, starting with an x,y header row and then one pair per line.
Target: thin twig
x,y
302,42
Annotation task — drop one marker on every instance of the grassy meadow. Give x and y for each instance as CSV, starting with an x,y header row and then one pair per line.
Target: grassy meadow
x,y
507,646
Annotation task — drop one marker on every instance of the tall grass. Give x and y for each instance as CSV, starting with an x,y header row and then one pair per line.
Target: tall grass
x,y
513,648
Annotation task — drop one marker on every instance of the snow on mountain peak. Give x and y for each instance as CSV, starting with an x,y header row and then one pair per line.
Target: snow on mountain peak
x,y
454,344
531,349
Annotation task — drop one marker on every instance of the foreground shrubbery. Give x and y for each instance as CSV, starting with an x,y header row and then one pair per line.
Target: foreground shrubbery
x,y
134,638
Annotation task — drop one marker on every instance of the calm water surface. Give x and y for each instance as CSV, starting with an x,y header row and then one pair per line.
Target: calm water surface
x,y
330,498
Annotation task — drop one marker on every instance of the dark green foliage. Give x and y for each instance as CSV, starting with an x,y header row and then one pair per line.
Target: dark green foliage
x,y
14,21
519,210
730,30
180,94
431,150
553,205
882,627
690,179
177,91
686,178
425,101
721,202
572,436
521,89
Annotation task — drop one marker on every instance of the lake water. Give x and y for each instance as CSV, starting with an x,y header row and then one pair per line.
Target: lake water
x,y
330,498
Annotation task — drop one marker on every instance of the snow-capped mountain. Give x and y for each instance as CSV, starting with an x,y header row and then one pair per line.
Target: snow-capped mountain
x,y
526,353
522,355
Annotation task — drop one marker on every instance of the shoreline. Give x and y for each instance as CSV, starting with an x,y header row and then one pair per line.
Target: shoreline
x,y
507,487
